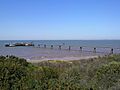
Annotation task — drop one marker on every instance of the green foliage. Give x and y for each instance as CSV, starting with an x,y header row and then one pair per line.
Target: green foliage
x,y
72,79
101,73
13,73
108,75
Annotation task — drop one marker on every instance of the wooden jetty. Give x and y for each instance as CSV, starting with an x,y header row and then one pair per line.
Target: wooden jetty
x,y
109,50
81,48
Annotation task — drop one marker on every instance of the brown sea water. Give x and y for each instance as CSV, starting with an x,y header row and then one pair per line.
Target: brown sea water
x,y
103,47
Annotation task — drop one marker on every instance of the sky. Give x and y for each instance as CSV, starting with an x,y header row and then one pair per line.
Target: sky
x,y
59,19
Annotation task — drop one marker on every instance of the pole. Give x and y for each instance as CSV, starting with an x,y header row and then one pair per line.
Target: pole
x,y
69,47
51,46
60,47
45,46
80,48
94,50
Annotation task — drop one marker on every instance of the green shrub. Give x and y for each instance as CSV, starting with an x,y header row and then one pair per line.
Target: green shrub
x,y
101,73
108,75
13,73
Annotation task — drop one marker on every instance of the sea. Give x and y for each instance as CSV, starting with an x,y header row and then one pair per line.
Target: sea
x,y
70,49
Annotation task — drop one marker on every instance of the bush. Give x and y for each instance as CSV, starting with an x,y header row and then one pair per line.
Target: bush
x,y
108,75
102,73
13,73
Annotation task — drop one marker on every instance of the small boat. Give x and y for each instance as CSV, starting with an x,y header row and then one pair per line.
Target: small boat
x,y
9,45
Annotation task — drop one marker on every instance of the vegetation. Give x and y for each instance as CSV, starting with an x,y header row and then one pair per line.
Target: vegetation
x,y
101,73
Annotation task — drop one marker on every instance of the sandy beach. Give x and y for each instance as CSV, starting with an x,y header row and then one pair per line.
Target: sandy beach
x,y
63,59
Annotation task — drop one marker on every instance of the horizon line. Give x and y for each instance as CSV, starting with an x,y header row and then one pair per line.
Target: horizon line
x,y
55,39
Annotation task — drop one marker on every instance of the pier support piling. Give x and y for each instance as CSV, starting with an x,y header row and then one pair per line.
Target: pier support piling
x,y
60,47
111,51
51,46
80,48
69,47
94,50
39,45
45,46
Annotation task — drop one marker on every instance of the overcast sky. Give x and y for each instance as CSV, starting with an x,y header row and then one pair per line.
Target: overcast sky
x,y
59,19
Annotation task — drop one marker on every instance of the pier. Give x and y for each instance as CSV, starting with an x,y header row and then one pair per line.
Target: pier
x,y
81,49
107,50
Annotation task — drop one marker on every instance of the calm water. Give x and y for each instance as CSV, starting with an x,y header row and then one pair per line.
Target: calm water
x,y
36,53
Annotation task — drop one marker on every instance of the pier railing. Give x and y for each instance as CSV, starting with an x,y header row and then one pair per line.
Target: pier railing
x,y
107,50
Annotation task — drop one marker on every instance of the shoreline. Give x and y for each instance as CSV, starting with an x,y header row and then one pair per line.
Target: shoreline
x,y
63,59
